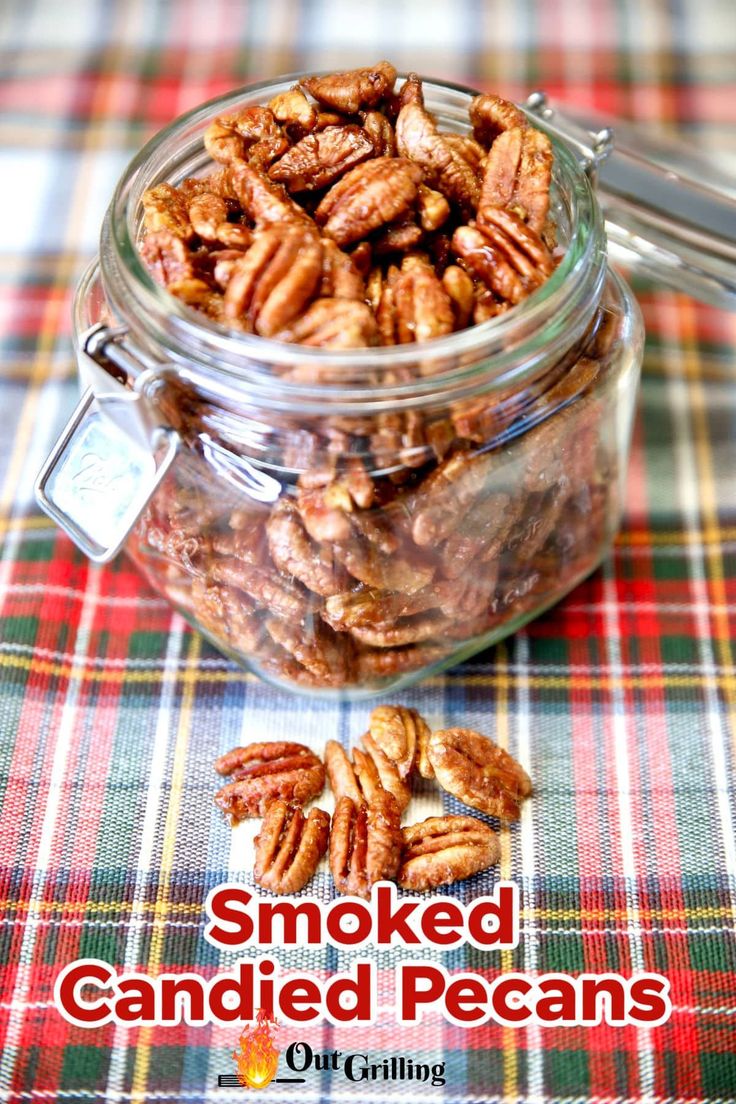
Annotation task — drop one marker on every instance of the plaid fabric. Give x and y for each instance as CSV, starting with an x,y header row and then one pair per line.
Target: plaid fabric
x,y
620,701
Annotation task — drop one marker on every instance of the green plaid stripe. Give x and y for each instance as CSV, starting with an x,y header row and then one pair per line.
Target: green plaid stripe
x,y
620,701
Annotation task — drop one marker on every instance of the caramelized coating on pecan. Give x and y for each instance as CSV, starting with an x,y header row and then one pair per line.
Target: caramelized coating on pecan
x,y
289,846
399,732
263,772
317,160
369,772
351,91
478,772
367,197
517,175
443,850
365,843
491,115
164,208
275,279
418,139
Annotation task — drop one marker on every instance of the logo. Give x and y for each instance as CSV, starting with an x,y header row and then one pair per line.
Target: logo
x,y
257,1060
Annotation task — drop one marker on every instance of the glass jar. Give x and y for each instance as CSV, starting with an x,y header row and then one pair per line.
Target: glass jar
x,y
345,523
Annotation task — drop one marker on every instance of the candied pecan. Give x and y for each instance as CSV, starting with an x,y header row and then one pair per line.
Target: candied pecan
x,y
349,92
167,257
267,586
411,91
223,262
368,196
517,175
315,647
398,237
265,772
399,731
377,663
481,535
423,307
486,306
491,115
333,324
380,133
466,147
361,257
295,554
406,630
198,294
294,111
319,159
164,208
434,210
253,134
369,772
446,495
264,201
227,613
418,139
370,565
443,850
365,843
459,287
289,846
206,212
324,500
341,278
275,279
478,772
504,253
367,606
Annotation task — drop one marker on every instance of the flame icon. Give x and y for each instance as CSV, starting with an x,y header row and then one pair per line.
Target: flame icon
x,y
258,1057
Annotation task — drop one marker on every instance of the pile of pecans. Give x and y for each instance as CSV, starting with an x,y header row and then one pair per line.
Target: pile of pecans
x,y
341,216
372,790
350,219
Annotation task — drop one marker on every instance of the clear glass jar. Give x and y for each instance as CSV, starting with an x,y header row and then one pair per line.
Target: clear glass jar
x,y
345,523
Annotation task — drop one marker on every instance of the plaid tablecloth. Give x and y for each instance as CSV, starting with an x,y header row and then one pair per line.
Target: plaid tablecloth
x,y
621,701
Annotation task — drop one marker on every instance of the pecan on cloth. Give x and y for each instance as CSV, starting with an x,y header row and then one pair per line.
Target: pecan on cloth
x,y
443,850
478,772
263,772
365,843
289,846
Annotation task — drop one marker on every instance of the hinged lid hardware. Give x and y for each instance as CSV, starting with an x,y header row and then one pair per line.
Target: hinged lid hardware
x,y
668,213
112,454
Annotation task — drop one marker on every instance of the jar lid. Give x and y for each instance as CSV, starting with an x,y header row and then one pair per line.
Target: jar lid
x,y
670,212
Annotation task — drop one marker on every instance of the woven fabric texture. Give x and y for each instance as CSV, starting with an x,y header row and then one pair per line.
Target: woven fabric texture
x,y
621,701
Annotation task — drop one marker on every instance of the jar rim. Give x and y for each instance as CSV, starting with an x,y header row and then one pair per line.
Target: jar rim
x,y
500,349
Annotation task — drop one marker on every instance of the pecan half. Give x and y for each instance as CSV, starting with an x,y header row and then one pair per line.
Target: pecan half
x,y
398,732
459,287
289,846
263,772
368,196
319,159
443,850
380,132
478,772
315,647
504,253
294,553
333,324
423,307
294,111
275,279
199,295
227,613
164,208
434,210
491,115
264,201
365,843
369,772
253,134
341,278
349,92
418,139
167,257
267,586
517,175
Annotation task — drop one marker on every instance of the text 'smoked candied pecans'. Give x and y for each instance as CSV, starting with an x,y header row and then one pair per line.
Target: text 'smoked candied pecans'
x,y
380,324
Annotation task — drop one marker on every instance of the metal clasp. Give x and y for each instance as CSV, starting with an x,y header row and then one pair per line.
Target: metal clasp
x,y
112,454
591,147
